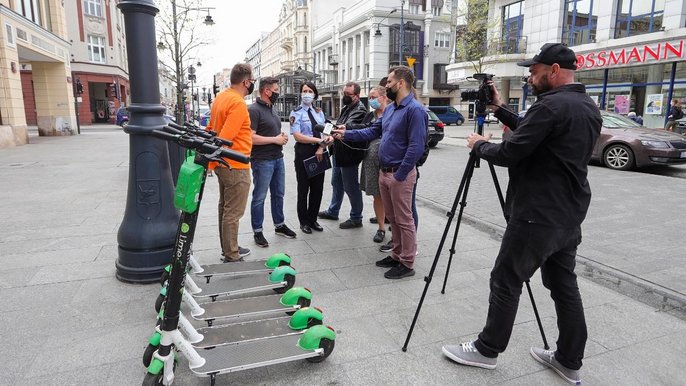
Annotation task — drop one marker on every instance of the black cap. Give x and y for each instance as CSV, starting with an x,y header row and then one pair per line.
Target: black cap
x,y
553,53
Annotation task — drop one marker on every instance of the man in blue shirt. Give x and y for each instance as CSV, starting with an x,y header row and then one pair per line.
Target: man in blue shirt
x,y
404,126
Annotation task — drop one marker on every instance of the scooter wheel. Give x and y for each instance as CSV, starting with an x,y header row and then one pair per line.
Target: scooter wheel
x,y
290,282
147,355
153,380
159,302
164,278
327,345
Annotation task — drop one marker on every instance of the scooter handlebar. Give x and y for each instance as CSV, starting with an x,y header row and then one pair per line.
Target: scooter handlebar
x,y
177,129
201,146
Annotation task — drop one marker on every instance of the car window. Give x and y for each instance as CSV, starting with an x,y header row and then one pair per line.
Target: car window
x,y
614,121
432,115
452,110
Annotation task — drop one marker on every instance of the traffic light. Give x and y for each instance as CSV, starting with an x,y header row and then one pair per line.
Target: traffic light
x,y
215,89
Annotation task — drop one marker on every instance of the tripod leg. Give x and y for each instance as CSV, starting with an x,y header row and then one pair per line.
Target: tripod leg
x,y
528,286
463,203
468,172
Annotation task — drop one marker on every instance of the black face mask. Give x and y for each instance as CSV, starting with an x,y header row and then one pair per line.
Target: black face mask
x,y
390,94
274,97
347,100
251,88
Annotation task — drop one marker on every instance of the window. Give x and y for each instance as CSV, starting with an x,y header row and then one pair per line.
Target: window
x,y
436,6
96,49
10,34
30,9
415,6
442,39
440,76
92,7
581,21
513,20
436,11
636,17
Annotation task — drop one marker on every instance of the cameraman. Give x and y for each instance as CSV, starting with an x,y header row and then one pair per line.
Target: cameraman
x,y
547,200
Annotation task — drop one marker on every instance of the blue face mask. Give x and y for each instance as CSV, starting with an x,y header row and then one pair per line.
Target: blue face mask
x,y
307,98
374,104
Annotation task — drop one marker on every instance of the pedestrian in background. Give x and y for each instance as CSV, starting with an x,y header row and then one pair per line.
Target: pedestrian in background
x,y
231,120
548,197
347,157
266,162
308,143
675,113
636,118
404,126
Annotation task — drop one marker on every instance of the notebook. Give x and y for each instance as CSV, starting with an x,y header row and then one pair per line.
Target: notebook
x,y
314,167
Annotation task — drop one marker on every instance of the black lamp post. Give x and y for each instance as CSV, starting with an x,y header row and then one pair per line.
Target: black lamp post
x,y
146,234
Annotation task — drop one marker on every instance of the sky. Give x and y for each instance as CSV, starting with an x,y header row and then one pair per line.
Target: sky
x,y
238,24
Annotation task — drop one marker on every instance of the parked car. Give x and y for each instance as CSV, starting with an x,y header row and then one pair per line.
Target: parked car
x,y
624,144
436,127
204,118
681,126
448,115
122,117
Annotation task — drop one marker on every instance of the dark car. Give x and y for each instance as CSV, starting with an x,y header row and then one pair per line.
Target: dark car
x,y
448,115
436,127
624,144
681,126
122,117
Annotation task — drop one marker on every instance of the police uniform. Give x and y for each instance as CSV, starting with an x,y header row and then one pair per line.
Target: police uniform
x,y
310,190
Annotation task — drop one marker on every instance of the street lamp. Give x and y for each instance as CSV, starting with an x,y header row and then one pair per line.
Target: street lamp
x,y
377,33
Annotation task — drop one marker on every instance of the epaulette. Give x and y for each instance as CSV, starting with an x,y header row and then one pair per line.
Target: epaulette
x,y
298,108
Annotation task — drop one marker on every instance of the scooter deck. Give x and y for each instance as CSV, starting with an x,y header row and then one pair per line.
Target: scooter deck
x,y
234,269
248,355
235,286
247,331
237,308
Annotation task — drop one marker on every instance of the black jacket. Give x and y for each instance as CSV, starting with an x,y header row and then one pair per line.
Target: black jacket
x,y
547,157
343,155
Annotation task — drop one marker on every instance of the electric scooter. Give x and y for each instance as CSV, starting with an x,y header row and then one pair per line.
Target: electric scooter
x,y
314,344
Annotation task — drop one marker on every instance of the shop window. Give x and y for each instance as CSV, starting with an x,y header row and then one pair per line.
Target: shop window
x,y
92,7
96,49
636,17
580,22
513,21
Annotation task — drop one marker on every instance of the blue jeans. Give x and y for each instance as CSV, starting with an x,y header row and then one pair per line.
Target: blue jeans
x,y
267,174
345,179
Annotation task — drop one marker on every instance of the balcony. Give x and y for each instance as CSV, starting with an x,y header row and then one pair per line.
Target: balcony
x,y
288,65
333,59
287,43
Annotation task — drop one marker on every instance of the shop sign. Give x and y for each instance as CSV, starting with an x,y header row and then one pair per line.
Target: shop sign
x,y
647,53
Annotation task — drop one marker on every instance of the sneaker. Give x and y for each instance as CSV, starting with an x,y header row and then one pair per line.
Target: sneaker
x,y
349,224
260,240
387,262
243,252
467,354
386,247
285,231
547,357
326,216
379,236
398,272
224,260
374,220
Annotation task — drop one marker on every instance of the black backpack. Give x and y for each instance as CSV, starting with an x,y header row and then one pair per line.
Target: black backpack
x,y
425,155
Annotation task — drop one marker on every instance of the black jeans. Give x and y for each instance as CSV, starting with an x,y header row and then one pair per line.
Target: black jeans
x,y
310,190
524,249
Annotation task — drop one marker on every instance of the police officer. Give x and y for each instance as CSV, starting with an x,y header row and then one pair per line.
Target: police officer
x,y
308,143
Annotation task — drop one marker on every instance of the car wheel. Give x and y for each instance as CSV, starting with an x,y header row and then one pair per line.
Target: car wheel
x,y
459,122
432,143
124,123
618,157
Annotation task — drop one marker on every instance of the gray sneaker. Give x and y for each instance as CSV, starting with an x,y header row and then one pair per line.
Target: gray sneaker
x,y
467,354
547,357
243,252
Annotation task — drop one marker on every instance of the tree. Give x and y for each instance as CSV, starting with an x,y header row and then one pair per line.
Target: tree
x,y
472,43
180,37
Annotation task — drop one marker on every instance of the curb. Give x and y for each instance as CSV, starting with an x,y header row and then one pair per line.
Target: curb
x,y
644,291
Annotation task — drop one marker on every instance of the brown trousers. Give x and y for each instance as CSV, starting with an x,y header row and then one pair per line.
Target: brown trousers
x,y
234,187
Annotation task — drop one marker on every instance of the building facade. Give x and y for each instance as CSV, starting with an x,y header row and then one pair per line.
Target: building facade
x,y
34,39
98,58
631,54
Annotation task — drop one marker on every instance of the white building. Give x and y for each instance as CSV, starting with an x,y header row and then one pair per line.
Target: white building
x,y
631,54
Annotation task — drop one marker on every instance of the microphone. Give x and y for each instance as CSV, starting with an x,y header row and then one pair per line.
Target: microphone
x,y
324,129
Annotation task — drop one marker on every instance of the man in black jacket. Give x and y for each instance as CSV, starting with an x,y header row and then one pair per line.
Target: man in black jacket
x,y
547,200
346,160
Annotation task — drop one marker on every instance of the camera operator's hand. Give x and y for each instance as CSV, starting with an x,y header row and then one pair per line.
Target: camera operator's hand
x,y
496,97
338,132
474,138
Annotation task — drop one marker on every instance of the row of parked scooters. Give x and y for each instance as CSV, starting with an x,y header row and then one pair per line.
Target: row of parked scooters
x,y
250,313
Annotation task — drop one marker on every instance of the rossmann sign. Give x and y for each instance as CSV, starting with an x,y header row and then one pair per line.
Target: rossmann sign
x,y
644,54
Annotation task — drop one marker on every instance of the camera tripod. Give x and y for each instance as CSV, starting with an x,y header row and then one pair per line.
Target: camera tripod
x,y
461,198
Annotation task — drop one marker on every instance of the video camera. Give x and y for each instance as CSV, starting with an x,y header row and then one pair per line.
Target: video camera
x,y
481,97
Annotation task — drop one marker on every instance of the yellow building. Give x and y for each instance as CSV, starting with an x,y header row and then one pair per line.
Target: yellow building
x,y
33,34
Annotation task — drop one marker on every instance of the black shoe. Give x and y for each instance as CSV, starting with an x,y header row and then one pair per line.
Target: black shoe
x,y
306,229
243,252
386,247
349,224
399,272
373,220
379,236
316,227
260,240
285,231
231,261
326,216
387,262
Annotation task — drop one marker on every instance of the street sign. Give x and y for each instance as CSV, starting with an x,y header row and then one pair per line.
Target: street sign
x,y
410,60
